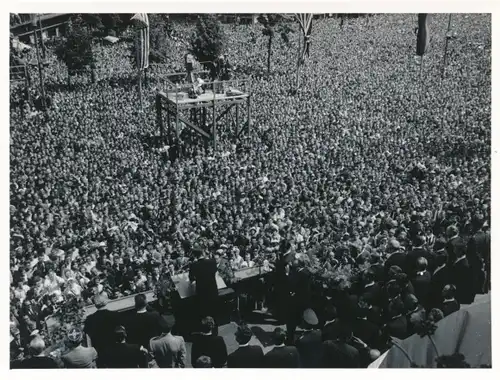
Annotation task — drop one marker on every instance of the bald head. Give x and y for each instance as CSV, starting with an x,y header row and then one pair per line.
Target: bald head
x,y
37,345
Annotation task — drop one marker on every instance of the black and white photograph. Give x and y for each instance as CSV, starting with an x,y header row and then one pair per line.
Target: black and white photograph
x,y
250,190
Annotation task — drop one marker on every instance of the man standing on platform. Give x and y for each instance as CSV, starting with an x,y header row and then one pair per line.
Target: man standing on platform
x,y
202,276
301,296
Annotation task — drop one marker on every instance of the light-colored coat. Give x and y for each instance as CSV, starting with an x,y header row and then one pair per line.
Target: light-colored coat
x,y
168,350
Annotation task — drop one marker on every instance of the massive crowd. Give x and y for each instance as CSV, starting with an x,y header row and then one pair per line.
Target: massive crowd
x,y
369,165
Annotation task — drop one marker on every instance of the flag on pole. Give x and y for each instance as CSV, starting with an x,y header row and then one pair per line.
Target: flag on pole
x,y
422,34
305,22
142,23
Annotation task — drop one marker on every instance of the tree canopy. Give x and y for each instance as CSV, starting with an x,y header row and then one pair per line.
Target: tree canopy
x,y
207,41
76,50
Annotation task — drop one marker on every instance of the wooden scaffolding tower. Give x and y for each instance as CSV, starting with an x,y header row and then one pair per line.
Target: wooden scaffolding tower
x,y
228,101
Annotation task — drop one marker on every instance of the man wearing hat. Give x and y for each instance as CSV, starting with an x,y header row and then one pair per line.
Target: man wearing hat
x,y
247,355
78,356
310,344
99,326
168,350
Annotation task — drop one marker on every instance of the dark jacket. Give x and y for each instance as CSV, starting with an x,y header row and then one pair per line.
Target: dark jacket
x,y
100,327
251,356
310,347
203,272
397,259
337,354
302,289
38,362
331,330
367,331
461,277
439,279
373,294
448,307
412,257
397,327
209,345
422,285
124,355
282,357
478,255
142,327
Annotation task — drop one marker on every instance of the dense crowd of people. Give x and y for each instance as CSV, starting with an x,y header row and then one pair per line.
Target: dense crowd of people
x,y
371,171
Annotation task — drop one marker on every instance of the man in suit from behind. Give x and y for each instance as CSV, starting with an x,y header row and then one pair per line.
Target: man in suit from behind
x,y
363,328
461,273
397,256
301,295
281,356
143,324
421,281
332,326
202,275
207,344
124,355
449,304
417,252
168,350
478,254
38,359
441,274
397,326
338,353
99,326
310,344
247,355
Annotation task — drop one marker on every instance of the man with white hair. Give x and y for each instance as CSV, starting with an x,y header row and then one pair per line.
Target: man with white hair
x,y
38,359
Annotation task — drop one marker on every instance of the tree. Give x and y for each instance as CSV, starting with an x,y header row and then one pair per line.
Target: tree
x,y
159,47
272,24
76,50
92,20
207,41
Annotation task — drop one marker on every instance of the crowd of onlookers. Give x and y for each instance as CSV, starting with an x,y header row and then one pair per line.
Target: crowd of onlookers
x,y
367,161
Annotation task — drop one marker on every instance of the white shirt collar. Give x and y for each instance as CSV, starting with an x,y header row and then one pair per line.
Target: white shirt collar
x,y
421,273
245,345
370,284
439,268
449,300
280,345
141,311
459,259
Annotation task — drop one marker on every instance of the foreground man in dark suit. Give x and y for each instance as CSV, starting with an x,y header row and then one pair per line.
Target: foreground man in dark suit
x,y
100,326
143,325
207,344
202,275
124,355
281,356
38,360
246,356
339,353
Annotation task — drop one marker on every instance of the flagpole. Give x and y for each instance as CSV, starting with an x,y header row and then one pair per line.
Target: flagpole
x,y
40,69
298,63
139,76
446,47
